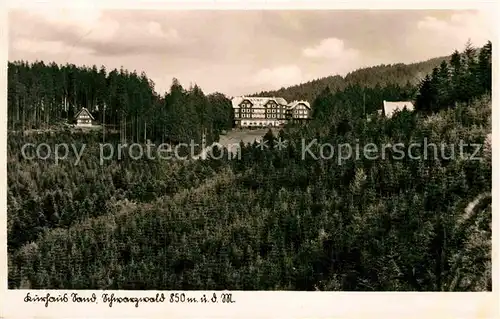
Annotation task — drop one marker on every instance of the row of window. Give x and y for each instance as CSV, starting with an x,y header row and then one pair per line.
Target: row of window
x,y
244,123
260,111
279,110
268,105
273,116
250,116
262,116
300,111
248,106
271,105
272,111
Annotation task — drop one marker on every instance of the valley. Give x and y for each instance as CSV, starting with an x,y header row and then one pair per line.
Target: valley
x,y
271,220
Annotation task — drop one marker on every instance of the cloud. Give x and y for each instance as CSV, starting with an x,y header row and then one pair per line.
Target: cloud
x,y
97,32
47,47
105,31
277,77
458,28
330,56
83,17
330,48
236,51
130,37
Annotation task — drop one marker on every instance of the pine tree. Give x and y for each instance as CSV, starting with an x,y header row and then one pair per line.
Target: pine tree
x,y
425,98
484,68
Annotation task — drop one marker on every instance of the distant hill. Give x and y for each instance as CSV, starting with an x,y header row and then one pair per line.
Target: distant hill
x,y
398,73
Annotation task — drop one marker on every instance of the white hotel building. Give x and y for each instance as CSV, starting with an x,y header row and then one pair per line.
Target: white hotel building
x,y
268,111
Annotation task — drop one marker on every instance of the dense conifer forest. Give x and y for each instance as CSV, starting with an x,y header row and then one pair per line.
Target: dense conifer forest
x,y
272,220
41,96
398,74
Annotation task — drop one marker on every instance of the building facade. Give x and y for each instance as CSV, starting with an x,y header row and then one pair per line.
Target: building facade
x,y
268,111
84,118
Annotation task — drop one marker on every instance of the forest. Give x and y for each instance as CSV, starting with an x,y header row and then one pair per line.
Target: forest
x,y
398,74
272,220
43,96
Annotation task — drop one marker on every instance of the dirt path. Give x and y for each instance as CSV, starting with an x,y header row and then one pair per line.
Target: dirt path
x,y
232,139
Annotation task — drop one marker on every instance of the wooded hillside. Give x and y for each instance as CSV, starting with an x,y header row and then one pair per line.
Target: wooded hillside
x,y
42,95
380,75
275,219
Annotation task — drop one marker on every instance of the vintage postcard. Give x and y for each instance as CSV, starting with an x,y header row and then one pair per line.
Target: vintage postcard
x,y
216,161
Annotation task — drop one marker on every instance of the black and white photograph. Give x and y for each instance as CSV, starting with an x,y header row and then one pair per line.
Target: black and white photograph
x,y
249,150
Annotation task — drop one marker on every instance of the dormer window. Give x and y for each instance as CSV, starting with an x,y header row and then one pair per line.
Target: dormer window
x,y
270,104
245,104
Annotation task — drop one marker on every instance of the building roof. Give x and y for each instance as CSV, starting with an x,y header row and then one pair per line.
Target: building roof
x,y
257,101
293,104
391,107
83,109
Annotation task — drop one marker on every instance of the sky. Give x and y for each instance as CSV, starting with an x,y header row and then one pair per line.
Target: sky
x,y
239,52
